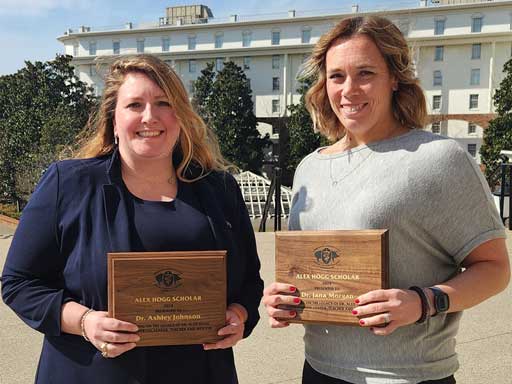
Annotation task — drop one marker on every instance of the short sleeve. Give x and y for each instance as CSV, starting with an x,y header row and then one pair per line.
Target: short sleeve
x,y
464,214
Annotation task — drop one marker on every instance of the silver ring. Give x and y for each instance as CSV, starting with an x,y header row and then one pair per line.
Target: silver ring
x,y
386,319
104,349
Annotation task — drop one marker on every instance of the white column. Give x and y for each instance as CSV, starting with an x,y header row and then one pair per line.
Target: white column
x,y
491,77
416,58
285,84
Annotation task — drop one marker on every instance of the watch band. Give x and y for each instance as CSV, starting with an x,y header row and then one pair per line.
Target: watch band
x,y
425,308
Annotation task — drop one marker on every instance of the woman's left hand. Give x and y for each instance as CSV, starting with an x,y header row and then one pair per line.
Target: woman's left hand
x,y
233,331
384,310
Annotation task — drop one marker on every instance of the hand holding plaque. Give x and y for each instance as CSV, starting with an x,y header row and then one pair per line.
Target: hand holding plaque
x,y
174,298
330,269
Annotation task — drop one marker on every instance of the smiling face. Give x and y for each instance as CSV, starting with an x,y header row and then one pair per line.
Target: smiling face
x,y
360,88
144,122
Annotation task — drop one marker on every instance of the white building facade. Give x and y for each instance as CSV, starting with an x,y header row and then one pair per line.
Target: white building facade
x,y
459,50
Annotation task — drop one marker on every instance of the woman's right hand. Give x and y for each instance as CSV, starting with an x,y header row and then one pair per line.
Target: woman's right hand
x,y
111,335
277,294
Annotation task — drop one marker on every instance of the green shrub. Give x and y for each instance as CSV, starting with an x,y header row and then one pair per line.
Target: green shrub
x,y
10,210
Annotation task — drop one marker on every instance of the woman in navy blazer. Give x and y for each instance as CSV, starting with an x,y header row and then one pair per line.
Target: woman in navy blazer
x,y
149,152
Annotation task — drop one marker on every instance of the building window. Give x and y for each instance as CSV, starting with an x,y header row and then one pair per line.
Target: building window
x,y
473,101
219,40
140,46
475,76
306,36
436,127
191,86
439,27
436,102
472,149
247,62
438,78
275,83
439,53
219,63
75,49
116,47
246,39
476,51
191,43
276,61
276,37
92,48
275,106
166,44
471,129
192,66
476,24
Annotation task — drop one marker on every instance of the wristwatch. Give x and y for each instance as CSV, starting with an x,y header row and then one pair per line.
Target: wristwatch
x,y
441,300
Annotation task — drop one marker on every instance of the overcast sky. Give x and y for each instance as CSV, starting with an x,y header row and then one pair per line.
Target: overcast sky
x,y
29,28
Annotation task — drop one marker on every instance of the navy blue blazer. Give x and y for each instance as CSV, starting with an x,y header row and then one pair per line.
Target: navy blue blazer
x,y
77,215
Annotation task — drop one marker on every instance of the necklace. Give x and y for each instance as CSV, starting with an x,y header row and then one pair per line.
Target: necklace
x,y
351,157
172,180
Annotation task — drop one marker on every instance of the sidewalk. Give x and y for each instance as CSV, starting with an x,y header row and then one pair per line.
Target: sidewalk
x,y
275,356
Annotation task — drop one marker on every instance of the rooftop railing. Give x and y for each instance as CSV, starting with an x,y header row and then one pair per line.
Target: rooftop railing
x,y
165,22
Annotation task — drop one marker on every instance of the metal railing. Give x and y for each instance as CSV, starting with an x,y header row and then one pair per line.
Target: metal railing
x,y
260,197
503,191
275,189
164,21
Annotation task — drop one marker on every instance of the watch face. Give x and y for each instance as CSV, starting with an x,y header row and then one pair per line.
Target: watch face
x,y
442,302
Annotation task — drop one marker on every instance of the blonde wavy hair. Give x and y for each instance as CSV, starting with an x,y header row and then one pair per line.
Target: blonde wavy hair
x,y
409,105
197,143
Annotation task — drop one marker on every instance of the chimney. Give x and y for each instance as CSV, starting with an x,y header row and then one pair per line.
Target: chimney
x,y
355,8
233,18
291,13
423,3
128,26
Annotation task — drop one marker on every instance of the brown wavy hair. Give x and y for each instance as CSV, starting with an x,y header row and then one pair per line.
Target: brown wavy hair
x,y
197,144
409,105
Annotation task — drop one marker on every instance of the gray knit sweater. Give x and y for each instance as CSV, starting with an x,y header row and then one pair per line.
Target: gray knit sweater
x,y
437,206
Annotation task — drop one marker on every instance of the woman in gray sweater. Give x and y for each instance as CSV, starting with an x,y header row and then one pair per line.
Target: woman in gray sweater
x,y
383,172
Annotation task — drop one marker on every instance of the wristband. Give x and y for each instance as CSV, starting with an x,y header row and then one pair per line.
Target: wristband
x,y
424,304
82,321
238,312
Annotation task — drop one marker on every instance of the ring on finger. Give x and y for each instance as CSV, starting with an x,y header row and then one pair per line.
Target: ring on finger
x,y
386,318
104,349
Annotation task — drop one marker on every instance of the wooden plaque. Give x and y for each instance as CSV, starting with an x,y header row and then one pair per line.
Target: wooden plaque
x,y
175,298
330,269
